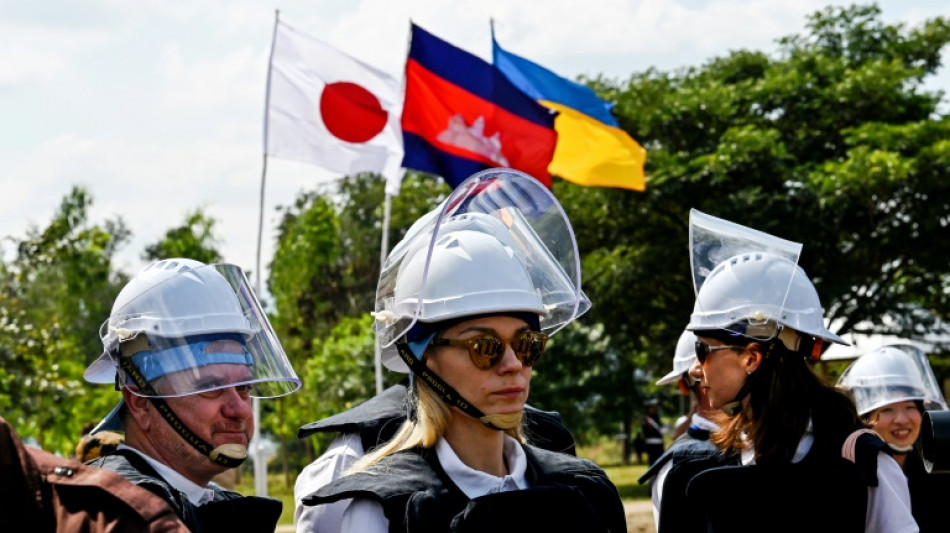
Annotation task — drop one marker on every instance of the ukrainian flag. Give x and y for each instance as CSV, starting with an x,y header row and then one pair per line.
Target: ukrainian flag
x,y
591,148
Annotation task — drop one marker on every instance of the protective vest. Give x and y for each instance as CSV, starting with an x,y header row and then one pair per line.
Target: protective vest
x,y
689,454
377,420
789,496
228,512
692,443
565,494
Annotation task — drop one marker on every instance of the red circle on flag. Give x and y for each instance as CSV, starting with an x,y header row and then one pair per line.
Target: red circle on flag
x,y
351,113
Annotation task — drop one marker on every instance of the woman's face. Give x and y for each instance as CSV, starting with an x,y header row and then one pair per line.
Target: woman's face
x,y
500,389
898,423
723,373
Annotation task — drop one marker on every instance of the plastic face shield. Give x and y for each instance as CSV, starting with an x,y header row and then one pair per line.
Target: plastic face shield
x,y
933,397
517,210
883,377
199,331
745,295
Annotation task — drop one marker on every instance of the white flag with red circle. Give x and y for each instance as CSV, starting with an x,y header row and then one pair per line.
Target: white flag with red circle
x,y
326,108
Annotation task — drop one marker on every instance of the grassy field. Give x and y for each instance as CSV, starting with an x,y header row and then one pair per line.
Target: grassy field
x,y
623,476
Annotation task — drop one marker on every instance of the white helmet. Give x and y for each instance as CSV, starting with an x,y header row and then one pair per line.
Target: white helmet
x,y
683,358
749,283
750,293
177,316
887,375
470,273
499,243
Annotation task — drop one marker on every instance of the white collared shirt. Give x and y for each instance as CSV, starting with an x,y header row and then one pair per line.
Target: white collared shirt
x,y
195,493
345,450
367,516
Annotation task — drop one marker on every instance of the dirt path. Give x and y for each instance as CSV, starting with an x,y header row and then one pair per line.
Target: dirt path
x,y
640,517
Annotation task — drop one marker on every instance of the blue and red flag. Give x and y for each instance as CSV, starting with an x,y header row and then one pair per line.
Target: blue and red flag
x,y
462,115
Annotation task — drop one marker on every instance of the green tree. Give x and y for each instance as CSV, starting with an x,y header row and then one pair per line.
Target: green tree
x,y
194,239
323,283
54,294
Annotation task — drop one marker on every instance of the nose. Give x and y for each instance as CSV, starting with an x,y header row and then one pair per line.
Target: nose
x,y
234,404
509,361
696,370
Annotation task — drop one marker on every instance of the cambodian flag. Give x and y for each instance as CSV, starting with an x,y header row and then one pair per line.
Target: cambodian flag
x,y
462,115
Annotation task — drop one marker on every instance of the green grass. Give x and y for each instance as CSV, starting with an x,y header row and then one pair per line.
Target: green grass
x,y
623,476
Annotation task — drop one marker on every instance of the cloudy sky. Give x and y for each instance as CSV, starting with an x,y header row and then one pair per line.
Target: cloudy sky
x,y
156,106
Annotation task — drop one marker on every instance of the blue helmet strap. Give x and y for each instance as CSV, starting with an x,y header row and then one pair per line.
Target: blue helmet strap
x,y
162,406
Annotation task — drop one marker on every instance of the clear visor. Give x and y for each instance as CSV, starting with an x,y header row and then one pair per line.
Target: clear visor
x,y
890,374
525,216
717,247
933,397
199,331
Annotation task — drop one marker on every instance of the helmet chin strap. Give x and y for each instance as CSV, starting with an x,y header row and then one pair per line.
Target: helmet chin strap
x,y
900,449
735,406
229,455
498,422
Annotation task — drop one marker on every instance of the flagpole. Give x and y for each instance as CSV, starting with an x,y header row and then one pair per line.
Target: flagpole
x,y
257,451
383,251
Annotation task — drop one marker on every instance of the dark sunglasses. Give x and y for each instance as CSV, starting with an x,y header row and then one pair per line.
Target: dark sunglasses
x,y
487,349
703,350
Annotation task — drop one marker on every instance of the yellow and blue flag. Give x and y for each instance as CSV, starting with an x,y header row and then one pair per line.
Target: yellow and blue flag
x,y
592,150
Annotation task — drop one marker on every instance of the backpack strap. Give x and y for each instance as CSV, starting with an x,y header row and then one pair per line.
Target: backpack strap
x,y
849,448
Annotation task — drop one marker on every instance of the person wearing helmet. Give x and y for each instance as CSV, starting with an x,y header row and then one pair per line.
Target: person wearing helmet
x,y
188,346
792,445
373,423
691,451
467,304
892,386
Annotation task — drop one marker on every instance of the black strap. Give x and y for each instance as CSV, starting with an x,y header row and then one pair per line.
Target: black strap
x,y
443,389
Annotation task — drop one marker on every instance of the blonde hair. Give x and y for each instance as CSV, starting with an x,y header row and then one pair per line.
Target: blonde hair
x,y
432,417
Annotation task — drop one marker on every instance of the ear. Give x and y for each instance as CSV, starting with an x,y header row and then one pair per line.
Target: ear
x,y
753,358
138,407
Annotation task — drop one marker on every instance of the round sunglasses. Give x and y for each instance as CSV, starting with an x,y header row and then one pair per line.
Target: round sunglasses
x,y
487,349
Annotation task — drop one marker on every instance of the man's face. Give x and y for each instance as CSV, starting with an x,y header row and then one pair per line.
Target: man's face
x,y
219,416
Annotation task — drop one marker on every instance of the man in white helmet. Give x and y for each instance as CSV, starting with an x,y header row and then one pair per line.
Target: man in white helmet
x,y
793,446
466,304
892,386
188,345
691,451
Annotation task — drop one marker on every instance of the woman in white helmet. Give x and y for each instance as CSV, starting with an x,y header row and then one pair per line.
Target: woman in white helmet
x,y
892,386
792,445
690,452
466,304
188,346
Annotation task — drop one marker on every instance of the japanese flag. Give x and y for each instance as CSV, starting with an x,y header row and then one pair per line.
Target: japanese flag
x,y
326,108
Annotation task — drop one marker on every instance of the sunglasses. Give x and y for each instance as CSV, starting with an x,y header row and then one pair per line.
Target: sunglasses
x,y
703,350
487,349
